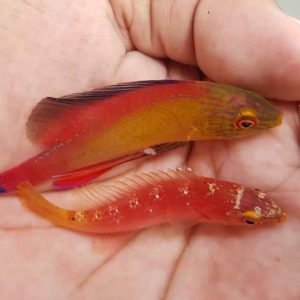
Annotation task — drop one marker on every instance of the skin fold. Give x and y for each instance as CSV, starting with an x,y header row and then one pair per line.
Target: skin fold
x,y
52,48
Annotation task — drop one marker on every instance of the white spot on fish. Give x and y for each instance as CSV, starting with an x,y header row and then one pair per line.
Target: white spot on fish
x,y
113,211
238,197
184,169
79,216
188,204
261,195
150,210
257,210
133,202
155,193
150,151
212,187
184,190
274,211
98,214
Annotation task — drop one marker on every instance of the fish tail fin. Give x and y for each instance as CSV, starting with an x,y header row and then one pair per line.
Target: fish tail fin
x,y
30,170
35,202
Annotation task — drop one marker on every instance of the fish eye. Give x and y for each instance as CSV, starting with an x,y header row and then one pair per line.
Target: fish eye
x,y
246,119
250,217
249,221
246,123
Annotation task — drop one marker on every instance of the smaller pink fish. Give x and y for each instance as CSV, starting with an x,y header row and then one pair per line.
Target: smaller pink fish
x,y
158,197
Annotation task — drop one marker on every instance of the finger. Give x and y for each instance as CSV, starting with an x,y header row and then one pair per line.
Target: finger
x,y
252,44
247,43
158,28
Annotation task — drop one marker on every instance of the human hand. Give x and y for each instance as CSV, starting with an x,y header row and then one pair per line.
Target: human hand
x,y
52,49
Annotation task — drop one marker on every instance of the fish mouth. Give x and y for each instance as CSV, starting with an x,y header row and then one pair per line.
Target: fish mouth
x,y
276,120
279,217
282,218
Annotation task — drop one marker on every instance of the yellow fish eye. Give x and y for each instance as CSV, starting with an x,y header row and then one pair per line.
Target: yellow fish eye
x,y
250,217
246,119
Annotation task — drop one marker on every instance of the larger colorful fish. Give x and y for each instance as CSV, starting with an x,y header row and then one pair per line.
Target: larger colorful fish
x,y
158,197
86,134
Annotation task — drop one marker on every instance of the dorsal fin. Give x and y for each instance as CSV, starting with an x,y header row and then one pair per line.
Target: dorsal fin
x,y
102,194
44,117
110,91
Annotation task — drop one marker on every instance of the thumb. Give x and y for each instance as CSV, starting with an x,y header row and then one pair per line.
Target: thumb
x,y
251,44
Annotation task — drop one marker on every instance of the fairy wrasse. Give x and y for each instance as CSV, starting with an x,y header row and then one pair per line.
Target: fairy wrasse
x,y
157,197
80,132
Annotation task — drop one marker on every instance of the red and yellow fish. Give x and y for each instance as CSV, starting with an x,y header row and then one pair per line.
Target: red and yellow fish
x,y
83,135
158,197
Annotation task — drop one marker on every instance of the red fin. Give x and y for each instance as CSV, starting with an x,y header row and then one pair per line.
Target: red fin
x,y
84,175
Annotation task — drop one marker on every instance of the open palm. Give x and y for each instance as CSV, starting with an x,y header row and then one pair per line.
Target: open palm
x,y
56,48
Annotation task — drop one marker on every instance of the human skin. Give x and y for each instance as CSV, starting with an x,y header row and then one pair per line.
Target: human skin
x,y
52,48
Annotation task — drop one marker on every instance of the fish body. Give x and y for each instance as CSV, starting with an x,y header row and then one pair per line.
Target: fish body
x,y
158,197
80,130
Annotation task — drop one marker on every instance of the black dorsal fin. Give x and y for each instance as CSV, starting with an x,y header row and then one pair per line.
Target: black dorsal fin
x,y
110,91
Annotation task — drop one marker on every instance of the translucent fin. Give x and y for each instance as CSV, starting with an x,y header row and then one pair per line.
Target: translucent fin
x,y
44,117
82,176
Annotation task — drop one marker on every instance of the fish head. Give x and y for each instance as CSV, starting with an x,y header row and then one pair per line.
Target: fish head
x,y
254,207
235,112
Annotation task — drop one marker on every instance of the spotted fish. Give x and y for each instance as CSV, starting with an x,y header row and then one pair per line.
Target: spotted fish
x,y
157,197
